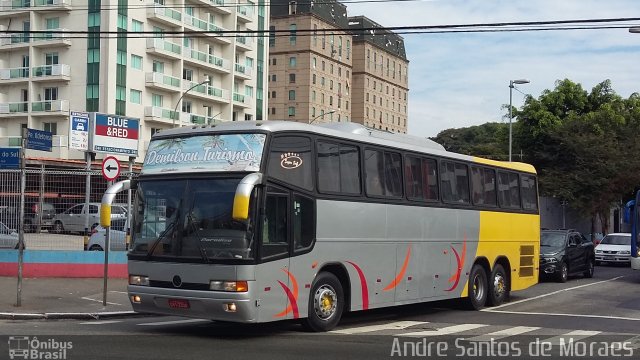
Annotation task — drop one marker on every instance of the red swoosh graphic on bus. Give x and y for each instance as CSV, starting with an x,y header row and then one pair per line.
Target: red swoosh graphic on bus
x,y
400,276
290,307
292,299
455,278
363,285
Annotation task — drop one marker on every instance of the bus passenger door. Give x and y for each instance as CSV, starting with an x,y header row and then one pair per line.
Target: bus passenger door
x,y
272,273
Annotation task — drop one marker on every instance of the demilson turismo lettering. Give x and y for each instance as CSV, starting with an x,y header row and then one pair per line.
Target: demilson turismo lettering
x,y
179,156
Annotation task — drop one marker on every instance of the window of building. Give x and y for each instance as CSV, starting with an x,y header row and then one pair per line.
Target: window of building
x,y
272,36
135,96
454,182
292,36
330,84
314,62
292,94
292,111
156,100
158,66
187,74
187,106
273,77
322,81
52,127
313,95
338,168
292,78
323,65
313,79
273,111
136,62
292,61
137,26
330,100
273,94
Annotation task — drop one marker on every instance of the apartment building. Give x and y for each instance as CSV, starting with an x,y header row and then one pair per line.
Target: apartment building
x,y
167,62
380,76
310,69
328,67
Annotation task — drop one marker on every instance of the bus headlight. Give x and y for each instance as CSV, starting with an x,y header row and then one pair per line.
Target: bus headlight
x,y
230,286
624,252
139,280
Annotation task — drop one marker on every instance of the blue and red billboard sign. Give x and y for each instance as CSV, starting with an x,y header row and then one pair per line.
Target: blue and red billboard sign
x,y
115,134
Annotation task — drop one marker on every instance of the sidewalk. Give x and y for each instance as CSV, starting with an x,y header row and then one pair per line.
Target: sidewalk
x,y
68,298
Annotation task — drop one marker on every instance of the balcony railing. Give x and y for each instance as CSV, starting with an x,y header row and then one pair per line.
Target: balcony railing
x,y
163,11
164,45
204,120
15,39
241,98
163,79
50,105
243,69
204,89
14,108
166,115
52,34
52,70
16,4
52,2
14,74
246,41
204,57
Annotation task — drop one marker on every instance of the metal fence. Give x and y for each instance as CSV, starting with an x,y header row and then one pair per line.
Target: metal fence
x,y
54,215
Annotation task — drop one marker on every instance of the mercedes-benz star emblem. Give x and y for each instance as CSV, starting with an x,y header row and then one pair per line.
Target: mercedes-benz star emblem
x,y
177,281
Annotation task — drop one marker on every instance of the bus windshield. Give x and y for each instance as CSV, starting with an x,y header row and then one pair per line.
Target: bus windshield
x,y
189,220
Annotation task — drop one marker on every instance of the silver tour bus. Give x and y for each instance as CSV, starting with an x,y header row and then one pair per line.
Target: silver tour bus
x,y
263,221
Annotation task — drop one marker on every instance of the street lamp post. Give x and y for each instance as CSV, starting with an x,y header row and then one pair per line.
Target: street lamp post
x,y
321,116
175,110
511,83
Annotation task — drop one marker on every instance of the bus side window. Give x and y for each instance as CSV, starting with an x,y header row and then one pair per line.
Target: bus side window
x,y
303,223
274,226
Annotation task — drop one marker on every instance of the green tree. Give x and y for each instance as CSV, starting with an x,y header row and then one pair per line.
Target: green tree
x,y
488,140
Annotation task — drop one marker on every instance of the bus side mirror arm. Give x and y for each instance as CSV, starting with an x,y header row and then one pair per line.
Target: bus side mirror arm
x,y
243,195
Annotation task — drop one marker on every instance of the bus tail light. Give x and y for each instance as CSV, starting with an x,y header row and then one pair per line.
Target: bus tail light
x,y
230,286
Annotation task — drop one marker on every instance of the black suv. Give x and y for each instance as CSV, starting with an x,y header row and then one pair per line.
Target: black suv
x,y
10,216
565,252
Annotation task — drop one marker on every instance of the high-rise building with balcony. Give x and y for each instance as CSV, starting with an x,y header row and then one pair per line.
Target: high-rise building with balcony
x,y
167,62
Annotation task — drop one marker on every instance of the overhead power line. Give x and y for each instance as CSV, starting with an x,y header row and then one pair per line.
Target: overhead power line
x,y
556,25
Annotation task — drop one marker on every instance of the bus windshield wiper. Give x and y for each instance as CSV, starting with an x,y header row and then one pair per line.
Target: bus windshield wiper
x,y
160,238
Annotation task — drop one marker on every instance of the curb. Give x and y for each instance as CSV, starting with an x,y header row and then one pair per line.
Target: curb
x,y
75,316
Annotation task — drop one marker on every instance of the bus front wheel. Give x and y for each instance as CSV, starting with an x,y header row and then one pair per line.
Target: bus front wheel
x,y
478,288
326,303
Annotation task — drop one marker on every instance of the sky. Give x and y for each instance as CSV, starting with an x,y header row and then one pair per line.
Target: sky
x,y
461,80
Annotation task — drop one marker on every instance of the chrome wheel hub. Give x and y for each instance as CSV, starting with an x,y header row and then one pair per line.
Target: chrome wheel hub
x,y
325,302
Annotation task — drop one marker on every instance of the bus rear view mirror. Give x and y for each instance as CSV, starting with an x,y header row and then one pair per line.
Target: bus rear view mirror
x,y
243,195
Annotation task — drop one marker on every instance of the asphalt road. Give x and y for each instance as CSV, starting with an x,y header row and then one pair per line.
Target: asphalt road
x,y
598,311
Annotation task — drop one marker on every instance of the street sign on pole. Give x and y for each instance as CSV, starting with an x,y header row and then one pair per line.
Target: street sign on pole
x,y
39,140
9,158
114,134
110,168
79,131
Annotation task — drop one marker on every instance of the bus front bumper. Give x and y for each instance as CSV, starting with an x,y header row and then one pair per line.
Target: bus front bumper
x,y
221,306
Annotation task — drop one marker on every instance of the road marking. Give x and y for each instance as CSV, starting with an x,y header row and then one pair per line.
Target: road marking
x,y
445,330
572,336
108,303
188,321
100,322
551,293
569,315
118,292
398,325
517,330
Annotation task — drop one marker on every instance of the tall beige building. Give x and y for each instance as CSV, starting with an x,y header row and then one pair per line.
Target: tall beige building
x,y
186,66
319,70
380,76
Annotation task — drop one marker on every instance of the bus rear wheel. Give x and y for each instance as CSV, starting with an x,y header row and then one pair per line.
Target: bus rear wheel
x,y
326,303
498,286
478,288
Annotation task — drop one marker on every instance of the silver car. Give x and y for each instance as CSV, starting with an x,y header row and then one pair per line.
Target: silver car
x,y
614,248
8,237
117,237
73,219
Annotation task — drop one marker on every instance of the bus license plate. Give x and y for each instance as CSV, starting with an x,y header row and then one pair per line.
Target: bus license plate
x,y
178,304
